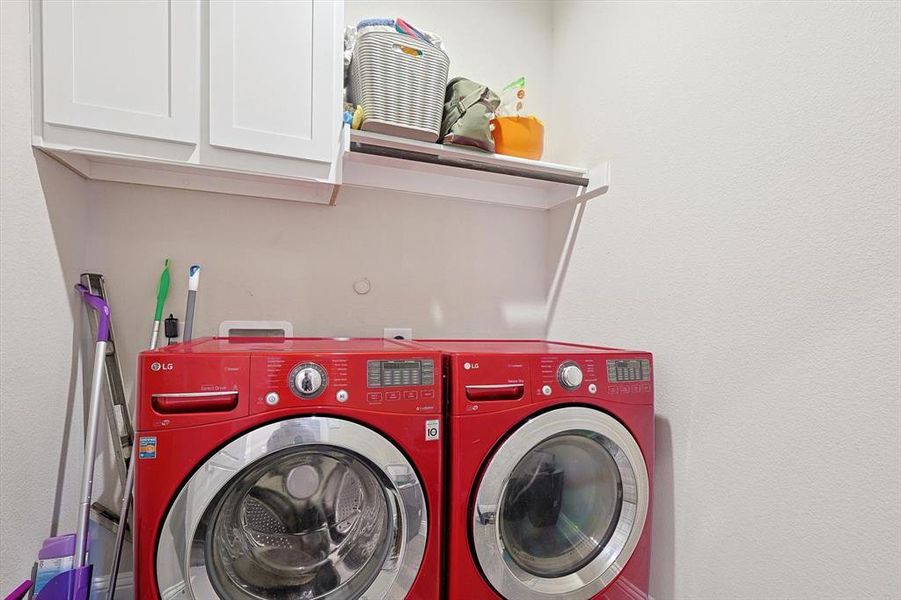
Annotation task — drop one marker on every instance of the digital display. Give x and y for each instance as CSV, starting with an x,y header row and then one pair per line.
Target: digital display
x,y
391,373
401,364
628,370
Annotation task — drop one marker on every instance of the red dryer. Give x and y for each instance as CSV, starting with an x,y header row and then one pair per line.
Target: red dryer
x,y
551,451
297,468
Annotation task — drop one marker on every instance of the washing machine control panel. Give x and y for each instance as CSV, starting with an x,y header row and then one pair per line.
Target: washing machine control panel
x,y
382,383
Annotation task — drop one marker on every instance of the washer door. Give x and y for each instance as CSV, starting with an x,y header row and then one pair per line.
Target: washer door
x,y
560,507
308,508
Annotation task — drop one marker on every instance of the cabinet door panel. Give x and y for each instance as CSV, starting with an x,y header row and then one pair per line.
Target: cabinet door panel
x,y
123,67
274,71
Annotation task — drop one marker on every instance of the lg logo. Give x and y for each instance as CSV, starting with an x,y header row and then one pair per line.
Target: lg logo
x,y
161,366
469,366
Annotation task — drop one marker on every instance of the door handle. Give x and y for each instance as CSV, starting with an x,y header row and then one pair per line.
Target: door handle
x,y
504,391
194,402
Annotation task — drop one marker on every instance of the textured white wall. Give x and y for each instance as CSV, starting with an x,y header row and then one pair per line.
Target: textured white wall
x,y
42,224
750,239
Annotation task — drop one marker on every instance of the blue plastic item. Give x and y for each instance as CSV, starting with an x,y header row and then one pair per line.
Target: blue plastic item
x,y
74,584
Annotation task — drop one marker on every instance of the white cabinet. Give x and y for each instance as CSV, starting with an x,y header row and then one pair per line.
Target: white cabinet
x,y
219,95
272,75
116,71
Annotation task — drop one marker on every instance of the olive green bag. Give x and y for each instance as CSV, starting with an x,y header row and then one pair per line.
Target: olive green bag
x,y
468,110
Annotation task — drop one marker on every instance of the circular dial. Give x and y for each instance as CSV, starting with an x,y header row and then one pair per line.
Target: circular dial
x,y
307,380
569,375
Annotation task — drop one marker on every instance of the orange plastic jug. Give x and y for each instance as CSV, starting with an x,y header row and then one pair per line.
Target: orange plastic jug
x,y
518,136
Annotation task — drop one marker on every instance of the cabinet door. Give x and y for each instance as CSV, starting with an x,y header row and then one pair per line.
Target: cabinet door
x,y
123,67
275,77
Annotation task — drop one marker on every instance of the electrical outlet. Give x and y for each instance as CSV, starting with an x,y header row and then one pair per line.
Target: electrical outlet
x,y
399,333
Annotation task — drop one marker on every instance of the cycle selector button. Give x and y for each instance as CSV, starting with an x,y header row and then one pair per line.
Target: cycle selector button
x,y
307,381
569,375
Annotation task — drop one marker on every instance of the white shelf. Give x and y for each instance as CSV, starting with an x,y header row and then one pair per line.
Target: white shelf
x,y
368,160
386,162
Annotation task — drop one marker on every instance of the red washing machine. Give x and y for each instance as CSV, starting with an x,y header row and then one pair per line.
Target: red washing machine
x,y
297,468
551,450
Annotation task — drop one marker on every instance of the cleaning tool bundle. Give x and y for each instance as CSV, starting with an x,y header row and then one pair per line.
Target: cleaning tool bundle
x,y
162,292
75,583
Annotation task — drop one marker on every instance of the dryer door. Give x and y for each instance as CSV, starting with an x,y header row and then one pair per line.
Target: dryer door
x,y
560,507
311,507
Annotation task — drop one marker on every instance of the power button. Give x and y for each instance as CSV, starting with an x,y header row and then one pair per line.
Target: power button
x,y
272,398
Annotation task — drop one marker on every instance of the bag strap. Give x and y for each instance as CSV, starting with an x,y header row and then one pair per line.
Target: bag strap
x,y
457,108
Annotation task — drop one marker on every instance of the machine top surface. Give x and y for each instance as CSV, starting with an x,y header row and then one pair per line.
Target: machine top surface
x,y
517,347
303,345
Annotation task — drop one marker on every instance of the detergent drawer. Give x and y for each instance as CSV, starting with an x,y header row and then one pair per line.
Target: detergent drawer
x,y
180,390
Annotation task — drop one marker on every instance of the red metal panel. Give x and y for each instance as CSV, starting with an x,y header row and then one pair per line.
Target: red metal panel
x,y
181,442
476,429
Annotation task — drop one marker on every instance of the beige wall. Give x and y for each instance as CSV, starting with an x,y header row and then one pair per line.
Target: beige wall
x,y
439,267
750,239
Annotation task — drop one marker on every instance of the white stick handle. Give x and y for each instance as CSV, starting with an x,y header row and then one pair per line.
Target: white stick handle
x,y
155,336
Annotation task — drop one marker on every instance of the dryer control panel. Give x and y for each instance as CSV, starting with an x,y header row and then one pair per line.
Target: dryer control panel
x,y
567,374
499,375
625,378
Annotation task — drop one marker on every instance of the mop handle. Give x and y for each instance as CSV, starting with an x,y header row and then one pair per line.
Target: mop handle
x,y
162,291
100,306
193,284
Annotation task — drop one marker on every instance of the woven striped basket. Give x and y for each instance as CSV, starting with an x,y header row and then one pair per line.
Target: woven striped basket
x,y
400,83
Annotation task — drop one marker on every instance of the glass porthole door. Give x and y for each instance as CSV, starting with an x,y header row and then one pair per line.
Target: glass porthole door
x,y
311,508
560,506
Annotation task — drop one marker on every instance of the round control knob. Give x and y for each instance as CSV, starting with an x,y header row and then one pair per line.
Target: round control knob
x,y
570,375
307,380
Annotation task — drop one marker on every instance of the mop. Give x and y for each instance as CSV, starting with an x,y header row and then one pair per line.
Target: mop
x,y
75,583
